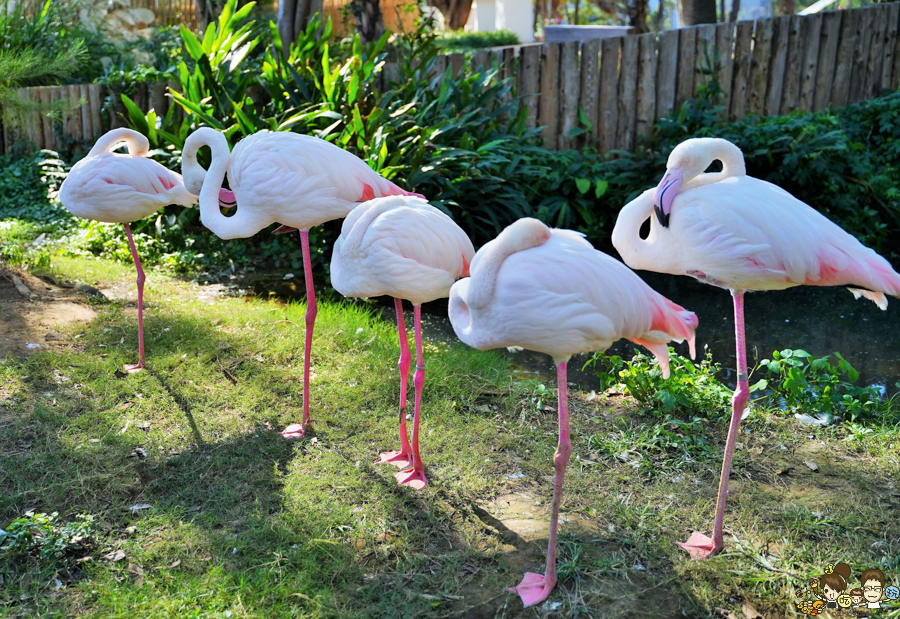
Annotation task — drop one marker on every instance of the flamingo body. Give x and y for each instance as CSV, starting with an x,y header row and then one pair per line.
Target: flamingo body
x,y
550,291
117,188
403,247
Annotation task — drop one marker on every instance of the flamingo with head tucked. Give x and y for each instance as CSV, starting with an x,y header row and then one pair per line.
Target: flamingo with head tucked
x,y
737,232
551,291
403,247
299,181
112,187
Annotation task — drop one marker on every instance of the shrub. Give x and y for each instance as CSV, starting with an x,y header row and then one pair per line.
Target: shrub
x,y
467,41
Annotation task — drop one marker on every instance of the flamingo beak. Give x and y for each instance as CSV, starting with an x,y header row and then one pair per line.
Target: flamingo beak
x,y
665,195
227,199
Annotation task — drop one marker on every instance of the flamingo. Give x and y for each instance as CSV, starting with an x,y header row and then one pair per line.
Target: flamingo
x,y
111,187
551,291
403,247
299,181
737,232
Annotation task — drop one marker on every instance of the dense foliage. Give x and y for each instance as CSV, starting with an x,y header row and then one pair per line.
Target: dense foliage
x,y
458,41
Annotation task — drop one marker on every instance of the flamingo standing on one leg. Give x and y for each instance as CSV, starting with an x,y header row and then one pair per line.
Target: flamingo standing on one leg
x,y
406,248
296,180
740,233
116,188
550,291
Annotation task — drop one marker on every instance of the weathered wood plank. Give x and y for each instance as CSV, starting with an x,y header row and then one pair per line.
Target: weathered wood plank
x,y
481,61
87,126
865,27
608,112
569,90
590,83
687,44
667,73
46,120
628,78
743,60
832,25
646,88
548,115
759,65
877,52
891,38
530,82
96,101
780,39
725,53
811,34
457,62
74,115
793,70
439,66
843,70
706,43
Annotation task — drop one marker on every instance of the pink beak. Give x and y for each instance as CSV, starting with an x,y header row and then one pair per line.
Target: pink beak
x,y
227,199
665,194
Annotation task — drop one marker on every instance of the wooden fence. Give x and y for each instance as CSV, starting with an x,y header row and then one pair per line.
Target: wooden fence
x,y
622,85
170,12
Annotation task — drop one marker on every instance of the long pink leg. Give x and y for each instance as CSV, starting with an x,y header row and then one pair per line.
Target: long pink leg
x,y
415,477
403,457
699,545
296,430
535,588
140,303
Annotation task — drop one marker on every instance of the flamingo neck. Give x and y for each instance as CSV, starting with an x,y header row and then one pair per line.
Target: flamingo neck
x,y
732,165
137,143
210,214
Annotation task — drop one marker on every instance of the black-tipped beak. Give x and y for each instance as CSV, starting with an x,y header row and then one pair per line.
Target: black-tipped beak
x,y
661,216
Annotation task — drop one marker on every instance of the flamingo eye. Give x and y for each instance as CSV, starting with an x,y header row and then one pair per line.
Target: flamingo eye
x,y
684,163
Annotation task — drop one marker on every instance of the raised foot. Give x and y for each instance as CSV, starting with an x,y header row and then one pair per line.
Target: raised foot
x,y
295,430
534,588
700,546
131,369
412,478
400,459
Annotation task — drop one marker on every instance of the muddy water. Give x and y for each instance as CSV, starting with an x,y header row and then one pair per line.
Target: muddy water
x,y
818,320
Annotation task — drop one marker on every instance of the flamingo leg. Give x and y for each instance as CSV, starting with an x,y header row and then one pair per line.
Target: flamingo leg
x,y
140,303
296,430
699,545
415,476
401,458
535,588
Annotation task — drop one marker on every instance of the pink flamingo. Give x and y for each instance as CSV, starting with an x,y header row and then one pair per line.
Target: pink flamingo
x,y
550,291
737,232
116,188
296,180
406,248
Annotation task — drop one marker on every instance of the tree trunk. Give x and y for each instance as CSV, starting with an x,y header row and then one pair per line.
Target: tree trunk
x,y
638,11
695,12
786,7
204,13
369,21
293,16
735,8
455,12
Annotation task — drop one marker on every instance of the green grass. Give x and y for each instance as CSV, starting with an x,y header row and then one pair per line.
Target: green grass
x,y
243,523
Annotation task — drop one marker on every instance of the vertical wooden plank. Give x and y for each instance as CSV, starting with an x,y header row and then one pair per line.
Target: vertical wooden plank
x,y
781,27
811,32
725,52
865,27
798,41
706,43
890,38
456,63
832,24
46,120
510,58
55,96
548,114
74,130
646,91
840,87
481,61
530,82
29,122
759,65
570,83
608,119
628,78
667,73
87,126
158,100
743,60
687,43
877,52
96,102
590,82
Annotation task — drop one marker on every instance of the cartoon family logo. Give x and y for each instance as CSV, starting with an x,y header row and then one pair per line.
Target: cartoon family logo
x,y
832,591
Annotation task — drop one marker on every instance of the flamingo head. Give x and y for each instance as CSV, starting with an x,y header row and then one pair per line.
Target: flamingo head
x,y
665,194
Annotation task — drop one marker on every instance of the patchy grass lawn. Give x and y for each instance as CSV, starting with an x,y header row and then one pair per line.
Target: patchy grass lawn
x,y
243,523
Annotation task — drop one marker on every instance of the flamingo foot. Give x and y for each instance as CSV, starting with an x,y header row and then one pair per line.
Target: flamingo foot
x,y
700,546
414,478
400,459
534,588
131,369
295,430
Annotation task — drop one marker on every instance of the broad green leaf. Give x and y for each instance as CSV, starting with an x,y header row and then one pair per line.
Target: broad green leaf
x,y
583,184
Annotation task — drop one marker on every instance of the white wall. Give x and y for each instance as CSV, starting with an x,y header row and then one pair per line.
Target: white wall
x,y
514,15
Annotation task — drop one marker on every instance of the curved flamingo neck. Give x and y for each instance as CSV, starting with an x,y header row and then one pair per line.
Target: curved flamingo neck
x,y
137,143
210,215
732,165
